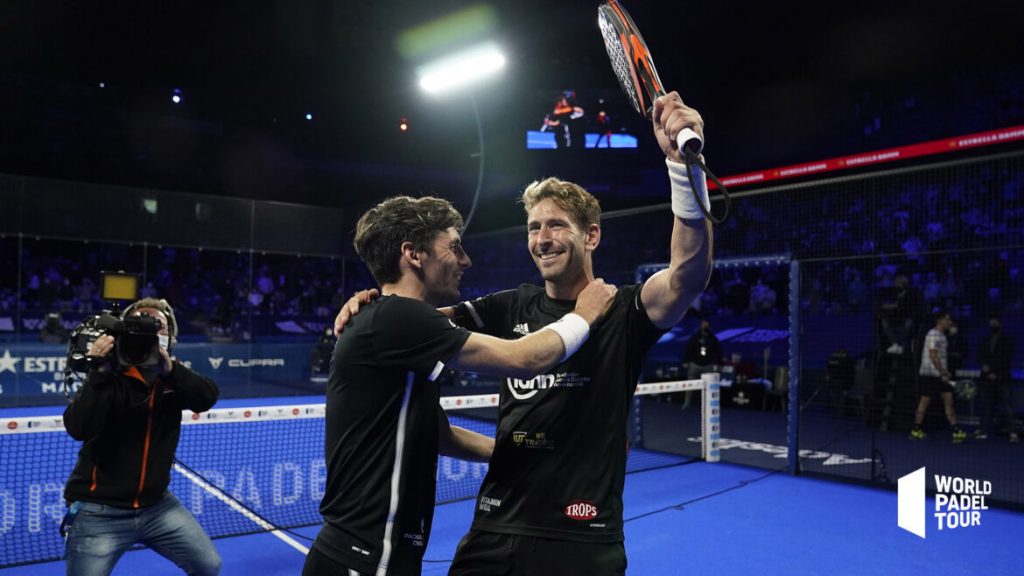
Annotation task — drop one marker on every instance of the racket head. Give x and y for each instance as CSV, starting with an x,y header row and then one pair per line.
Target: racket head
x,y
631,60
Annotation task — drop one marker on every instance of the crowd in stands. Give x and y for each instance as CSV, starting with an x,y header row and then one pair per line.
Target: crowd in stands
x,y
951,230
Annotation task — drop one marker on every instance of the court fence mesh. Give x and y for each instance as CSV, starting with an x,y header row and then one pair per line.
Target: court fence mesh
x,y
953,228
248,470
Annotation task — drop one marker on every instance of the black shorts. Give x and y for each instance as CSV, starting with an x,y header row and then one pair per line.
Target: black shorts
x,y
491,554
320,564
933,386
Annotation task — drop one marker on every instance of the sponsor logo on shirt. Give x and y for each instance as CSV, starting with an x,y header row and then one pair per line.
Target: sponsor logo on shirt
x,y
521,329
535,440
581,510
487,504
414,539
524,389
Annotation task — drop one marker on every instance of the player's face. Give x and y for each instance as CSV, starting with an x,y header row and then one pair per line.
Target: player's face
x,y
945,323
556,243
442,270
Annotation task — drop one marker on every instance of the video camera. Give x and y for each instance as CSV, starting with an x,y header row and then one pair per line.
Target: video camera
x,y
136,338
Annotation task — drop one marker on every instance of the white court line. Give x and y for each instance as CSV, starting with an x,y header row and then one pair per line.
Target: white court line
x,y
241,509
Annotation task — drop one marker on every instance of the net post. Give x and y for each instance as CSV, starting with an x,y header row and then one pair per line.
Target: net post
x,y
793,425
710,417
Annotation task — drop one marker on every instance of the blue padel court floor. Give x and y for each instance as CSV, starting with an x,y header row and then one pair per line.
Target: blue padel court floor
x,y
705,518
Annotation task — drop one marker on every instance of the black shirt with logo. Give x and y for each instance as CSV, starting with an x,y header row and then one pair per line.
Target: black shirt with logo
x,y
381,434
559,460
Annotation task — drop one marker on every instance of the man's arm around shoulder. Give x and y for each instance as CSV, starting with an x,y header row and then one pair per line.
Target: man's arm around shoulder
x,y
537,352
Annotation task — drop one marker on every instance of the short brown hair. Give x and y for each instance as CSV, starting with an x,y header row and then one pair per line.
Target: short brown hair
x,y
383,229
580,204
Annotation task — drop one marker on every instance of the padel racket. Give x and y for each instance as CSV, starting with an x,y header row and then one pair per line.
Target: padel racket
x,y
634,67
632,63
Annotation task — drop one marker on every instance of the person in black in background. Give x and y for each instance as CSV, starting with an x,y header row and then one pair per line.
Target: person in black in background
x,y
900,314
53,331
995,354
703,351
320,357
384,424
957,348
129,421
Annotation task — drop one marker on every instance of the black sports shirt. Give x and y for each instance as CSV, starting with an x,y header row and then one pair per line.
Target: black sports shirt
x,y
559,460
381,434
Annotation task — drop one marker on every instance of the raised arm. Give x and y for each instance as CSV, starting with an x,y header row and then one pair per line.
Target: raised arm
x,y
668,294
537,352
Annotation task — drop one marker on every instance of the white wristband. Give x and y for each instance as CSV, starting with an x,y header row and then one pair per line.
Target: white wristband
x,y
573,330
684,205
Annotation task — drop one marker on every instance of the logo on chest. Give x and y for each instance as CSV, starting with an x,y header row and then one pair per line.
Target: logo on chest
x,y
525,389
581,510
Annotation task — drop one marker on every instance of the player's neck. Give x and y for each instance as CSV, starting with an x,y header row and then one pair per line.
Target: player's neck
x,y
407,288
567,289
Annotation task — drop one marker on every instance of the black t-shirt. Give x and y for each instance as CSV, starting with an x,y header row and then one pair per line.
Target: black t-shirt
x,y
381,433
559,460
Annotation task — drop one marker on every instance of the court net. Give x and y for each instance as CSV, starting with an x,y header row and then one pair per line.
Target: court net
x,y
247,470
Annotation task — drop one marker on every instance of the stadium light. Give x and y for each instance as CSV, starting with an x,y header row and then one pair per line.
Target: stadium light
x,y
461,69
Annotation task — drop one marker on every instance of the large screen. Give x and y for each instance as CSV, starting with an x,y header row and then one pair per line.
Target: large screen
x,y
597,119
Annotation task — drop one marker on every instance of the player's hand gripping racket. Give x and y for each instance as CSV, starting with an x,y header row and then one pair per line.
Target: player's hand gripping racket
x,y
634,67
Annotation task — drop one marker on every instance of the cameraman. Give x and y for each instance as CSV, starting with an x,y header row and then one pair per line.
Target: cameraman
x,y
129,418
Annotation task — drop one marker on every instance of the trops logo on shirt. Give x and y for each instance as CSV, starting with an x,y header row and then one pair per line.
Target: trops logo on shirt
x,y
581,510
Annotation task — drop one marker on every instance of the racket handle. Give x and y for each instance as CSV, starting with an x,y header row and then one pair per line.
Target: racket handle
x,y
687,138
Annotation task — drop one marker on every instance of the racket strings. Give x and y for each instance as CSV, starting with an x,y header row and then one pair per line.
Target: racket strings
x,y
620,62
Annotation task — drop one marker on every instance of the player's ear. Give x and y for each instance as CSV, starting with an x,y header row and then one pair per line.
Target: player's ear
x,y
593,236
411,255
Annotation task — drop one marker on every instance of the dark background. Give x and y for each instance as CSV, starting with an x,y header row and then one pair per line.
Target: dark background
x,y
777,83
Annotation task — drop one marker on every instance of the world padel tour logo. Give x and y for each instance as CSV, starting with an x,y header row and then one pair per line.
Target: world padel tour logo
x,y
958,502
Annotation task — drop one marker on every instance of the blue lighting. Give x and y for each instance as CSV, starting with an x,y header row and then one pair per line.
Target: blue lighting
x,y
309,116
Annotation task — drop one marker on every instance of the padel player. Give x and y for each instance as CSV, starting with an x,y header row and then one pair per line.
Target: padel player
x,y
551,502
384,424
